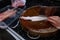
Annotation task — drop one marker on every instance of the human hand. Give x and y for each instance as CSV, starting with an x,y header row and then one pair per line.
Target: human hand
x,y
19,3
7,14
4,15
55,21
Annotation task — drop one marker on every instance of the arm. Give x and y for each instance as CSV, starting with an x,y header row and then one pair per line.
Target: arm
x,y
6,14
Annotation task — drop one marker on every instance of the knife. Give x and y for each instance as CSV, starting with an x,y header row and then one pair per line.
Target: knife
x,y
35,18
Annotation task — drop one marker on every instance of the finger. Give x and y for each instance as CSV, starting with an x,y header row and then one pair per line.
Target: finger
x,y
54,18
20,4
56,26
14,4
52,21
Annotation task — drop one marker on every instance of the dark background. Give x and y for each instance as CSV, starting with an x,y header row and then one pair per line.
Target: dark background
x,y
4,3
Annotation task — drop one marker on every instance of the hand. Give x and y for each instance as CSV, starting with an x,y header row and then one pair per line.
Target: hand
x,y
19,3
7,14
55,21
